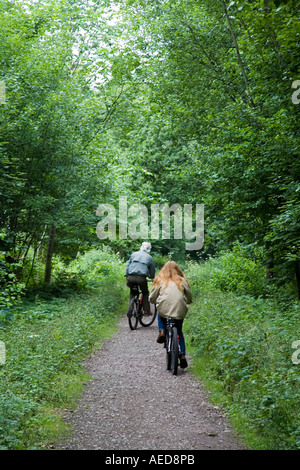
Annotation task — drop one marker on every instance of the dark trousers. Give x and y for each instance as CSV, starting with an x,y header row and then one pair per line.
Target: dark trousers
x,y
142,283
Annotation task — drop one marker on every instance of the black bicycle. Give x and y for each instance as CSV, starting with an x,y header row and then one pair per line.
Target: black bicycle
x,y
172,346
136,313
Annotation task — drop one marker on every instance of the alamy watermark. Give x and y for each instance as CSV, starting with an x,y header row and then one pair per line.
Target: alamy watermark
x,y
2,353
2,92
296,94
134,221
296,354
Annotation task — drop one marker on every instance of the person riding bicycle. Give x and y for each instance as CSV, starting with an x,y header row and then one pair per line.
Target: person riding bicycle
x,y
140,266
172,294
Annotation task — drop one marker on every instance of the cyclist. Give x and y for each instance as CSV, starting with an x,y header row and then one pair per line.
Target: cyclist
x,y
139,267
172,294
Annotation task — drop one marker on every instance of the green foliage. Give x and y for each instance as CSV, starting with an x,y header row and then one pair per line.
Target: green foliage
x,y
245,344
237,273
87,268
160,261
60,97
217,125
14,412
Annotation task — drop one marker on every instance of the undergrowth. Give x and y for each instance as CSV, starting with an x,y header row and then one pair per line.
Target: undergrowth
x,y
243,348
46,340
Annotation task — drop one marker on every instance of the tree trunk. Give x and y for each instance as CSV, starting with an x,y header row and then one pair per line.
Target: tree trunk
x,y
31,269
49,255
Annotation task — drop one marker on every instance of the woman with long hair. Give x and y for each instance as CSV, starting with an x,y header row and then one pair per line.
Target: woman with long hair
x,y
172,294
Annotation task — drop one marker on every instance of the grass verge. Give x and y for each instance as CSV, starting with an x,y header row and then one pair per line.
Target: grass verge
x,y
245,433
242,348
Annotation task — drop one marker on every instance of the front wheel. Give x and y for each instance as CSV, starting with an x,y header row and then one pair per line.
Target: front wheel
x,y
147,320
133,314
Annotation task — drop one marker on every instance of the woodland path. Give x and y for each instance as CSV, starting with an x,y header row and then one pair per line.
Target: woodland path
x,y
124,406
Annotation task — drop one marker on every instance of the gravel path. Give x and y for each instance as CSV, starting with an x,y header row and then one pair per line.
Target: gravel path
x,y
133,403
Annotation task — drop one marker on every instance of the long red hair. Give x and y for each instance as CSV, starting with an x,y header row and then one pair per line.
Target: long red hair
x,y
170,272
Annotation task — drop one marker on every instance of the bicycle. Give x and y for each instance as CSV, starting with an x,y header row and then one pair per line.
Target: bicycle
x,y
135,312
172,345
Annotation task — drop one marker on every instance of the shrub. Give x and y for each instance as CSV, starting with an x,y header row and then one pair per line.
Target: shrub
x,y
87,268
236,273
160,261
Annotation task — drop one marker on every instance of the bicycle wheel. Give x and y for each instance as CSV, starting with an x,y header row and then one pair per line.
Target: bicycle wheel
x,y
174,351
133,314
147,320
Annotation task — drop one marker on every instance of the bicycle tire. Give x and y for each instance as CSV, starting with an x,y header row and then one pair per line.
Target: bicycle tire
x,y
168,352
174,351
133,314
147,320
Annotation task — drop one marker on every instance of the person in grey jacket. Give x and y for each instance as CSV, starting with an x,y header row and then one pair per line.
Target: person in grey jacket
x,y
139,267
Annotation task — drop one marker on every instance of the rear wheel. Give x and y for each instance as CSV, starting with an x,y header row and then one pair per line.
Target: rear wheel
x,y
133,314
147,320
168,352
174,351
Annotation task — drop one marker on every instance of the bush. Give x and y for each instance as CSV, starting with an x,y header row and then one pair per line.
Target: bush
x,y
87,268
237,273
160,261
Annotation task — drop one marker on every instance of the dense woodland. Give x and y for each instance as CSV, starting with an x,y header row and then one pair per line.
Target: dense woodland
x,y
164,102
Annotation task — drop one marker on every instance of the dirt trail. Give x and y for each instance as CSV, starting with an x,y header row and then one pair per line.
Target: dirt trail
x,y
126,404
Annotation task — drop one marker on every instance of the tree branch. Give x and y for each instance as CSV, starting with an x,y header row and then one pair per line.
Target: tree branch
x,y
250,100
110,111
212,64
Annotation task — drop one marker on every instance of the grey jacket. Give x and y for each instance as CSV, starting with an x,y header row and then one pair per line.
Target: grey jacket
x,y
141,263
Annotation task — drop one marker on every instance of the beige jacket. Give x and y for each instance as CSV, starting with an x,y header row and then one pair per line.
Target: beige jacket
x,y
171,302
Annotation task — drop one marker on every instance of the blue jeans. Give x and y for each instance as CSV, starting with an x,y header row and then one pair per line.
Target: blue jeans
x,y
162,325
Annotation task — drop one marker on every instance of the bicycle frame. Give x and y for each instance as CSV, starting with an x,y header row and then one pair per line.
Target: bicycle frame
x,y
137,298
138,295
136,292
